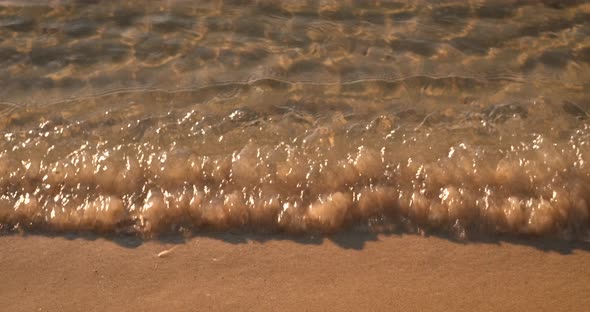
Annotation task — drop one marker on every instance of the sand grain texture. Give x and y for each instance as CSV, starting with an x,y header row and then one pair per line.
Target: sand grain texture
x,y
349,272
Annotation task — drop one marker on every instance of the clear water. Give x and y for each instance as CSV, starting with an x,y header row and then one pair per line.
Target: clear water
x,y
297,116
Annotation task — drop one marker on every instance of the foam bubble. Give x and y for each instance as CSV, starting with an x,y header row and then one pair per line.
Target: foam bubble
x,y
154,210
515,214
376,201
329,212
294,173
368,162
103,213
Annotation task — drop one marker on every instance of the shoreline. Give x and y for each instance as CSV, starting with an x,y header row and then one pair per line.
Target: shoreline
x,y
347,271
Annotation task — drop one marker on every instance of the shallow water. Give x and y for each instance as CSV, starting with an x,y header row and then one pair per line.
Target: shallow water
x,y
297,116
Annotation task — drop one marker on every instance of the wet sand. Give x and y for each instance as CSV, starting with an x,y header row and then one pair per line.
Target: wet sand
x,y
347,272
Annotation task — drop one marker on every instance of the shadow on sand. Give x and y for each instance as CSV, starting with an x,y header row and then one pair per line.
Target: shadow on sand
x,y
347,239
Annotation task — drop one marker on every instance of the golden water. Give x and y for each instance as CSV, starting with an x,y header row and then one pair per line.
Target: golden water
x,y
299,116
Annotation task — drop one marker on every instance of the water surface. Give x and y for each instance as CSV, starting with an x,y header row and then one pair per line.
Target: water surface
x,y
297,116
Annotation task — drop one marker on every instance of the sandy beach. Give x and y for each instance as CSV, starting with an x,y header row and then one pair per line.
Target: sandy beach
x,y
130,119
347,272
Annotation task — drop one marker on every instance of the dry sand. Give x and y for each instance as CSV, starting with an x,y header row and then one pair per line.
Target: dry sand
x,y
347,272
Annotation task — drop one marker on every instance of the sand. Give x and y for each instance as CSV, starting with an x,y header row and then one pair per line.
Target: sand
x,y
237,272
148,117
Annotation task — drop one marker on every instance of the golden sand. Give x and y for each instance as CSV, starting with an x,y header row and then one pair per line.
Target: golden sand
x,y
348,272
